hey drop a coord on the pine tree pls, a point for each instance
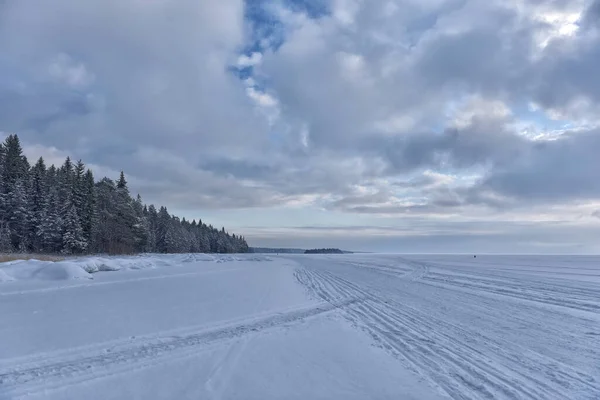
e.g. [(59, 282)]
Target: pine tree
[(204, 245), (122, 183), (126, 217), (88, 215), (164, 234), (2, 152), (5, 239), (51, 224), (65, 210), (18, 216), (65, 177), (78, 188), (141, 228), (38, 191), (51, 177), (14, 167), (105, 236), (73, 240), (3, 205), (152, 218), (14, 164)]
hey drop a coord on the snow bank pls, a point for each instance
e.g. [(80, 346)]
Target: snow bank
[(4, 277), (83, 267), (42, 270), (100, 264)]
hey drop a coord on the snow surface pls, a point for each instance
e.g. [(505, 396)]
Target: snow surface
[(301, 327)]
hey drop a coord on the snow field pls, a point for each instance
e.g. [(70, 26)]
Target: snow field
[(301, 326)]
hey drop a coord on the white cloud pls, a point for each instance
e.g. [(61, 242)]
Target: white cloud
[(261, 98), (249, 61), (344, 11), (66, 70), (477, 106)]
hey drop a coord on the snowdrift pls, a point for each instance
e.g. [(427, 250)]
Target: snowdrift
[(84, 267), (42, 270)]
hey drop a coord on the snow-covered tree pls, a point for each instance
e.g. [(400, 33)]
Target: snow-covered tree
[(50, 228), (14, 164), (18, 216), (73, 240), (88, 214), (38, 191), (5, 239), (64, 210)]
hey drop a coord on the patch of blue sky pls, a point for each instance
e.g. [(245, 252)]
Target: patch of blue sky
[(267, 30), (268, 33)]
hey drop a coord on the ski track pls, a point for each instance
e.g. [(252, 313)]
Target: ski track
[(570, 296), (573, 297), (51, 371), (463, 362)]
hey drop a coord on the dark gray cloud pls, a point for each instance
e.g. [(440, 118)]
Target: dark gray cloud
[(591, 17), (482, 142), (553, 171)]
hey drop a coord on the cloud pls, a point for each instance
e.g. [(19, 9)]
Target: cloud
[(559, 170), (64, 69), (456, 110), (245, 61), (421, 236), (140, 73)]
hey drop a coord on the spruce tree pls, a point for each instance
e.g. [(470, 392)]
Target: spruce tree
[(105, 236), (152, 218), (18, 216), (64, 210), (65, 178), (163, 231), (14, 168), (50, 229), (14, 164), (88, 216), (78, 188), (141, 228), (126, 218), (73, 240), (38, 191), (5, 238)]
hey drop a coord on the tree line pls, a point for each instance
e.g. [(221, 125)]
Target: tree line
[(323, 251), (64, 210)]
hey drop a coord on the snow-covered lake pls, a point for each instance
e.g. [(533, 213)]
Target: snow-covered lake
[(301, 327)]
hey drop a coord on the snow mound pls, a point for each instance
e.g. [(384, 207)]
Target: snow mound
[(83, 267), (102, 264), (4, 277), (42, 271)]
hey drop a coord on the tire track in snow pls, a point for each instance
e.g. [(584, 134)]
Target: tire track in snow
[(536, 293), (56, 371), (465, 364), (577, 298), (218, 379)]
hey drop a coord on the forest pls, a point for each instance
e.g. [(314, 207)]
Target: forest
[(65, 210), (323, 251)]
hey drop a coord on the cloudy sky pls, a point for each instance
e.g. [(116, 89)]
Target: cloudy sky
[(376, 125)]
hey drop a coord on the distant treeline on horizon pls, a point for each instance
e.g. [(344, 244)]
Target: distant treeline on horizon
[(323, 251), (269, 250)]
